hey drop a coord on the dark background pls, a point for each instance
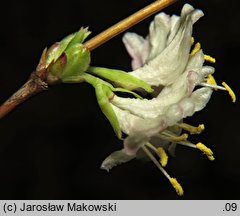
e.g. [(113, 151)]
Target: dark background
[(52, 146)]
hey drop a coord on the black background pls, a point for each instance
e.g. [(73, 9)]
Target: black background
[(52, 146)]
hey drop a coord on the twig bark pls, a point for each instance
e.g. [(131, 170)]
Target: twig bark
[(33, 86), (128, 22), (37, 81)]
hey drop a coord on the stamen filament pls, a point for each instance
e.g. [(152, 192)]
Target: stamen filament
[(213, 86), (152, 147), (173, 181), (188, 144), (175, 138), (154, 160)]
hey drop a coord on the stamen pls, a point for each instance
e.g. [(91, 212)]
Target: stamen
[(210, 59), (212, 86), (196, 48), (207, 151), (211, 80), (192, 129), (160, 152), (192, 40), (173, 181), (177, 186), (173, 138), (225, 87), (163, 156), (187, 143), (230, 91), (154, 160), (180, 138)]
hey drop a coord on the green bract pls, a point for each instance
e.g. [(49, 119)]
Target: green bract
[(105, 93), (120, 78)]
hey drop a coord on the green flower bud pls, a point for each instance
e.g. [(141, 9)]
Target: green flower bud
[(73, 62), (67, 58)]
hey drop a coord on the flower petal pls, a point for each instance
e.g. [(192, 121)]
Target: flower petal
[(157, 106), (134, 142), (114, 159), (158, 34), (125, 119), (171, 62), (188, 106), (146, 128), (206, 70), (201, 97), (174, 23), (137, 48), (196, 61)]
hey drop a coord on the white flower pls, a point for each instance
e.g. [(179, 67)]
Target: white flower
[(164, 60)]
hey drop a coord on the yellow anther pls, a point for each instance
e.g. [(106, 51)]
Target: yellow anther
[(176, 186), (192, 129), (163, 156), (192, 40), (201, 127), (207, 151), (209, 59), (211, 80), (196, 48), (180, 138), (230, 91), (211, 158)]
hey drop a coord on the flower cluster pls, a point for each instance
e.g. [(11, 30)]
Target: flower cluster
[(168, 61)]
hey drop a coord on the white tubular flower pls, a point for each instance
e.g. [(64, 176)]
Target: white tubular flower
[(164, 59)]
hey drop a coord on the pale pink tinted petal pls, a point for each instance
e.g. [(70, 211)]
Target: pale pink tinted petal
[(114, 159), (136, 48), (134, 142)]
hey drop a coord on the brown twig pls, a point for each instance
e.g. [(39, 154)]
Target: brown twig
[(37, 81), (33, 86)]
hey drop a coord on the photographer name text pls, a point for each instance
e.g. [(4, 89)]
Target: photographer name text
[(70, 207)]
